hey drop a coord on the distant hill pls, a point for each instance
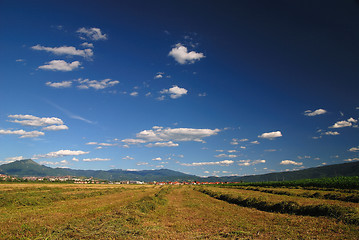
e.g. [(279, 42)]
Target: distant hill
[(343, 169), (28, 167)]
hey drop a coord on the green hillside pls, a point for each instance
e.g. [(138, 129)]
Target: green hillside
[(28, 167)]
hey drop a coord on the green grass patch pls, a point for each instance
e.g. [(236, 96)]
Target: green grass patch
[(346, 214)]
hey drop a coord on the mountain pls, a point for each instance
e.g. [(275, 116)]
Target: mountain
[(343, 169), (28, 167)]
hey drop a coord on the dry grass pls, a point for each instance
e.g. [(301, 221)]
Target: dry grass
[(135, 212)]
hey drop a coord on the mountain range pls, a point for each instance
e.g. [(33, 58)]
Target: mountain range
[(28, 167)]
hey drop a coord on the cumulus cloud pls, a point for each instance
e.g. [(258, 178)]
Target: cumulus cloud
[(354, 149), (94, 34), (157, 159), (344, 123), (255, 142), (175, 91), (160, 134), (48, 123), (64, 50), (60, 153), (60, 65), (22, 133), (182, 56), (163, 144), (86, 83), (63, 84), (55, 128), (96, 159), (128, 158), (224, 162), (30, 120), (290, 162), (270, 135), (314, 113)]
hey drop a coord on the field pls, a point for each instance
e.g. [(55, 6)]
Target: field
[(70, 211)]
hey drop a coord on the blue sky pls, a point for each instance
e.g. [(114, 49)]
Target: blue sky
[(207, 88)]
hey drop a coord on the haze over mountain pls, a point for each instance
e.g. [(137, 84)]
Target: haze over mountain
[(29, 167)]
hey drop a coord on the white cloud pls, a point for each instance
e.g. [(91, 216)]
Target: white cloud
[(270, 135), (22, 133), (344, 123), (224, 162), (48, 123), (157, 159), (226, 155), (60, 65), (182, 56), (134, 94), (141, 163), (92, 33), (159, 75), (250, 162), (330, 133), (160, 134), (163, 144), (255, 142), (61, 163), (314, 113), (96, 159), (30, 120), (202, 94), (55, 128), (287, 162), (101, 144), (60, 153), (354, 149), (11, 159), (86, 44), (64, 50), (128, 158), (175, 92), (351, 159), (86, 83), (75, 159), (63, 84)]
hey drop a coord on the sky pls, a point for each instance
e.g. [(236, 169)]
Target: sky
[(210, 88)]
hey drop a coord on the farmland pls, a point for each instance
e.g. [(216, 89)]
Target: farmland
[(69, 211)]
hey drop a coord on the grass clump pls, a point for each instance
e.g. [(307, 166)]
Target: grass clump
[(346, 214)]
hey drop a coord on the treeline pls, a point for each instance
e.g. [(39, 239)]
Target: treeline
[(334, 182)]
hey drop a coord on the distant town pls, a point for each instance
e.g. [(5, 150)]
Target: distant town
[(79, 180)]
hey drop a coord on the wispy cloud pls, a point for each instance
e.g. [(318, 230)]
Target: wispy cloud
[(60, 153), (68, 113), (224, 162), (94, 34), (65, 50)]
